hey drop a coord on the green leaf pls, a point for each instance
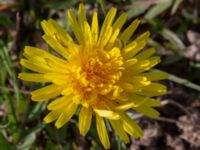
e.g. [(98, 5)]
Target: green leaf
[(28, 142), (58, 5), (4, 145), (138, 7), (5, 20), (7, 62), (175, 6), (58, 135), (29, 137), (158, 9), (173, 38), (3, 75), (135, 11), (103, 6), (5, 57), (51, 146), (196, 65), (35, 110), (171, 59)]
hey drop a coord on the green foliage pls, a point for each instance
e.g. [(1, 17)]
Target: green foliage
[(158, 9), (4, 143)]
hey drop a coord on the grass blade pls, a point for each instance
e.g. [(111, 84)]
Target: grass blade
[(184, 82)]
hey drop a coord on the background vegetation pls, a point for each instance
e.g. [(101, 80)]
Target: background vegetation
[(175, 28)]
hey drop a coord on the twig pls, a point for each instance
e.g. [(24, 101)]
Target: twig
[(168, 120), (12, 90), (165, 102), (188, 113)]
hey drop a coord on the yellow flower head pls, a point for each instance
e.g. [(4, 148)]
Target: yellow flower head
[(102, 74)]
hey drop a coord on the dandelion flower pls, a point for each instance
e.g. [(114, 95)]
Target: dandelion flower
[(102, 74)]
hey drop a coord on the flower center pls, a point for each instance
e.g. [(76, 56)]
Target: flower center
[(97, 74)]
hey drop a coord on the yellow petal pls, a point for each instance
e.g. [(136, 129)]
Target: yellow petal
[(52, 116), (116, 91), (56, 46), (77, 99), (107, 114), (155, 75), (140, 81), (130, 126), (130, 62), (153, 61), (51, 28), (102, 132), (148, 111), (129, 87), (64, 36), (35, 66), (125, 106), (145, 54), (58, 68), (57, 78), (141, 100), (75, 26), (67, 91), (154, 89), (68, 112), (46, 93), (128, 32), (72, 18), (131, 50), (34, 77), (130, 47), (115, 52), (87, 35), (48, 29), (107, 22), (59, 103), (117, 126), (85, 118), (144, 65), (95, 27), (103, 40), (119, 22), (118, 44), (112, 39), (143, 37), (137, 100), (33, 51), (81, 15), (116, 30), (152, 102), (38, 60)]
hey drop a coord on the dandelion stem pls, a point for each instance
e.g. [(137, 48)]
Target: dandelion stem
[(184, 82)]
